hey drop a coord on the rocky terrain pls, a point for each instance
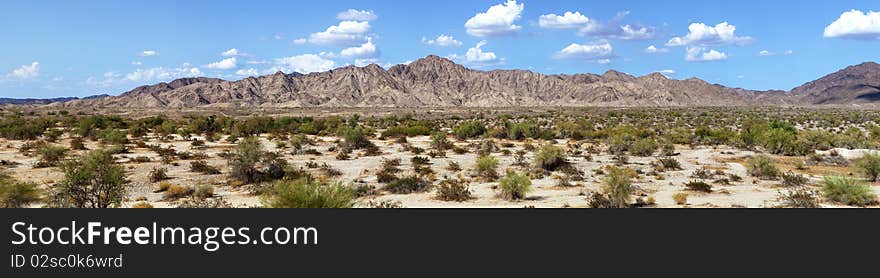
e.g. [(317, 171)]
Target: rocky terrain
[(438, 82)]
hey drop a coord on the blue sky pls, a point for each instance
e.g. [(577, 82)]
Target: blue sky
[(80, 48)]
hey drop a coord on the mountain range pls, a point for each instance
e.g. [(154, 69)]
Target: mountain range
[(434, 81)]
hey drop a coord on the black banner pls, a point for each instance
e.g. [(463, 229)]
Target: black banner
[(419, 242)]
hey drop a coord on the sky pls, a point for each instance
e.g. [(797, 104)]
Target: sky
[(89, 47)]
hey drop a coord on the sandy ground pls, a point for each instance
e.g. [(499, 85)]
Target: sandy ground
[(360, 169)]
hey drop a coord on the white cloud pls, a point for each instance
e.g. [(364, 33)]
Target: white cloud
[(476, 55), (163, 74), (700, 54), (110, 78), (365, 62), (700, 34), (666, 72), (136, 63), (600, 52), (300, 41), (147, 53), (229, 53), (788, 52), (346, 33), (224, 64), (27, 71), (278, 36), (765, 53), (568, 20), (247, 72), (442, 40), (654, 49), (614, 29), (366, 50), (855, 24), (305, 63), (498, 20), (359, 15)]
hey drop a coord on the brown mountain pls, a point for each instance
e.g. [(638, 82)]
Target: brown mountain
[(438, 82)]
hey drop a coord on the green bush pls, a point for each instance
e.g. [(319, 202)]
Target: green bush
[(158, 174), (92, 181), (15, 194), (792, 179), (549, 158), (616, 185), (848, 191), (869, 164), (50, 155), (439, 141), (515, 185), (762, 166), (305, 193), (354, 138), (487, 167), (471, 129), (643, 147)]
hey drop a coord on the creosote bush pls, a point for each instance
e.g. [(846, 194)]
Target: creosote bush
[(869, 164), (616, 185), (487, 167), (92, 181), (698, 186), (680, 198), (406, 185), (848, 191), (514, 185), (762, 166), (158, 174), (305, 193), (549, 158), (453, 190), (799, 198), (15, 194)]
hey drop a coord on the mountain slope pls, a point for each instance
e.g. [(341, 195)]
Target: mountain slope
[(438, 82)]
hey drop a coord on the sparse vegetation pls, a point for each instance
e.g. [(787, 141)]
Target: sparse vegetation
[(304, 193), (514, 185), (848, 191)]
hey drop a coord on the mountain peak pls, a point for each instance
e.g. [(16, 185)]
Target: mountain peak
[(616, 75)]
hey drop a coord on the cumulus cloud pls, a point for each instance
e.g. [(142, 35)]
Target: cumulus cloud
[(147, 53), (600, 52), (365, 62), (366, 50), (27, 71), (855, 24), (305, 63), (765, 53), (109, 79), (247, 72), (442, 40), (300, 41), (163, 74), (568, 20), (498, 20), (654, 49), (700, 54), (700, 34), (229, 53), (359, 15), (224, 64), (475, 55), (346, 33)]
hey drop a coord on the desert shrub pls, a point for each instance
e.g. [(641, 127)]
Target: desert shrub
[(195, 202), (175, 192), (204, 191), (680, 198), (453, 190), (549, 158), (514, 185), (799, 198), (698, 186), (304, 193), (92, 181), (383, 204), (140, 205), (158, 174), (405, 131), (76, 143), (245, 159), (419, 161), (439, 141), (616, 185), (201, 166), (453, 166), (703, 173), (354, 138), (869, 164), (407, 185), (643, 147), (599, 200), (471, 129), (487, 167), (762, 166), (848, 191), (342, 155), (793, 179), (15, 194), (667, 164), (50, 155)]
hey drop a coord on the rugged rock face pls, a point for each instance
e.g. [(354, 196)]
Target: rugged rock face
[(852, 85), (438, 82)]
